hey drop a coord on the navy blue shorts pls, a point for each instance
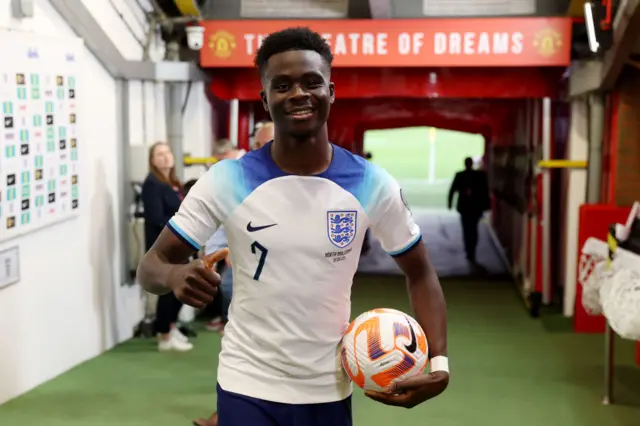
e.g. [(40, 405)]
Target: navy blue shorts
[(240, 410)]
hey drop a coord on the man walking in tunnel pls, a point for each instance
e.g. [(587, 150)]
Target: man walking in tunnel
[(473, 200)]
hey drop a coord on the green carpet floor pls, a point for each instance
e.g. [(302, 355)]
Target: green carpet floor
[(507, 370)]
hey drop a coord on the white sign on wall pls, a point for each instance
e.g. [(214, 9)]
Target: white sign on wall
[(39, 137), (478, 7), (9, 267), (308, 9)]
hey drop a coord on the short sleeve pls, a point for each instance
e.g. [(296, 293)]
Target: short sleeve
[(391, 219), (209, 202)]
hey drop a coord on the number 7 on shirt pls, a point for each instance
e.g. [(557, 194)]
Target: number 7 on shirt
[(257, 247)]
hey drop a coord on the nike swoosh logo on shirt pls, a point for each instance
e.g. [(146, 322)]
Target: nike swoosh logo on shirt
[(411, 347), (258, 228)]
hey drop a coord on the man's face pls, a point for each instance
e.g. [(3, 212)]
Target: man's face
[(297, 92)]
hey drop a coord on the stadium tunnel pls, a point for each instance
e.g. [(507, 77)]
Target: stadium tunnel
[(529, 85), (478, 88)]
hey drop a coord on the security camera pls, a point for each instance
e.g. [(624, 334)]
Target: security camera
[(195, 37)]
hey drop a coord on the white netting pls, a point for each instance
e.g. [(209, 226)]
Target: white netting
[(613, 290), (591, 274), (620, 296)]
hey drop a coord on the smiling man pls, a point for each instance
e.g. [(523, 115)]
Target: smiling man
[(293, 267)]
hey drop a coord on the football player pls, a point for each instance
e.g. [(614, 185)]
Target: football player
[(295, 212)]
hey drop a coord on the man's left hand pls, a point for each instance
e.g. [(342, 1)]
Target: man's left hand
[(413, 391)]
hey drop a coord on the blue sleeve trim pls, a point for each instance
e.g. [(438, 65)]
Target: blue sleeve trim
[(182, 235), (408, 247)]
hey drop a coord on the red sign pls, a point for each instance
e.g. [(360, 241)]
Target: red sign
[(475, 42)]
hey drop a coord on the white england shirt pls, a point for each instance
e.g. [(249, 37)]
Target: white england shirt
[(295, 243)]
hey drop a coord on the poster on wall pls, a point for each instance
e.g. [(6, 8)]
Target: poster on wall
[(39, 139)]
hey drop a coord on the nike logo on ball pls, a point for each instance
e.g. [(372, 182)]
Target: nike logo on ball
[(411, 347)]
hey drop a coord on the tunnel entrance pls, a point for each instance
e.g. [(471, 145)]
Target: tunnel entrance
[(495, 94), (423, 160)]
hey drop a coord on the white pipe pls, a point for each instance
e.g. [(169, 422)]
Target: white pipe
[(145, 135), (577, 149), (432, 155), (591, 27), (234, 115), (175, 128)]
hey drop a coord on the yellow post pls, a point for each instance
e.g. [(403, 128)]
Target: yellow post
[(190, 161), (562, 164), (612, 242)]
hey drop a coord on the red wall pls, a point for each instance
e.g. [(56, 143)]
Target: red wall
[(367, 83), (594, 221)]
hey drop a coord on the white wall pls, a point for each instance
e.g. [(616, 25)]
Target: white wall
[(124, 22), (147, 115), (198, 130), (147, 123), (197, 142), (146, 112), (576, 196), (69, 306)]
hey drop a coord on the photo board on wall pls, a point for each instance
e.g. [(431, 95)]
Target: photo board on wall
[(40, 141)]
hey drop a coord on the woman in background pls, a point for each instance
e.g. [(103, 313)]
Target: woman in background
[(162, 194)]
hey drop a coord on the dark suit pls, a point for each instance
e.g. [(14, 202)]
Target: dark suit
[(161, 202), (473, 199)]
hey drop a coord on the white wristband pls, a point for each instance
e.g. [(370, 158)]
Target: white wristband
[(439, 363)]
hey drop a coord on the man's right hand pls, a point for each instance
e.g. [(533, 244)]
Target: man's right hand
[(195, 284)]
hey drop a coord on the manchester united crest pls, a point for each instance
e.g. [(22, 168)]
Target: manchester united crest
[(222, 43), (547, 42)]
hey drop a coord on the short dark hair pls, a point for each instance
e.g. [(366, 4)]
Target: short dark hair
[(296, 38)]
